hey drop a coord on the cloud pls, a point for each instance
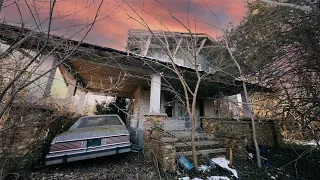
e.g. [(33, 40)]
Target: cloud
[(117, 17)]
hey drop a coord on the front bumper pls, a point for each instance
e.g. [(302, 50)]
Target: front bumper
[(86, 153)]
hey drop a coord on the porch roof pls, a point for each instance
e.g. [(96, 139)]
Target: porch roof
[(109, 71)]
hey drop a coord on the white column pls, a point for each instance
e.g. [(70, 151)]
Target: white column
[(155, 93), (245, 105)]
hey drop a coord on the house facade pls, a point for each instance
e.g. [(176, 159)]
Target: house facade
[(144, 73), (190, 51)]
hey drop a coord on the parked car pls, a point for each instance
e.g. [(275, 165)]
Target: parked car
[(90, 137)]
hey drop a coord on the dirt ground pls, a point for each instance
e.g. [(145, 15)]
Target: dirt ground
[(133, 166), (123, 166)]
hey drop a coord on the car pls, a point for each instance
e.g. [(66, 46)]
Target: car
[(90, 137)]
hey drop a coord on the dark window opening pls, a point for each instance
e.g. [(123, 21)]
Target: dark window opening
[(168, 110)]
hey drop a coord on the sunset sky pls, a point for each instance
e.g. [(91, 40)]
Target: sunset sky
[(116, 17)]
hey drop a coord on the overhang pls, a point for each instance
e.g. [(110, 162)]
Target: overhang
[(109, 71)]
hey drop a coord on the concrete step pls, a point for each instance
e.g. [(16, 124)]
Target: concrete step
[(202, 152), (183, 134), (169, 139), (197, 143)]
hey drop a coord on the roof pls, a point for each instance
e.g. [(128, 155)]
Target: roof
[(109, 71)]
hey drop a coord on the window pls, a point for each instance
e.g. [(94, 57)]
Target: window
[(168, 110), (94, 121)]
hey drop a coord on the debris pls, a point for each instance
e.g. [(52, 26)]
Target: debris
[(185, 163), (272, 177), (266, 162), (224, 163), (204, 168), (212, 165), (218, 178), (185, 178)]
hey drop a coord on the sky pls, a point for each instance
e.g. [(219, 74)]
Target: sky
[(71, 18)]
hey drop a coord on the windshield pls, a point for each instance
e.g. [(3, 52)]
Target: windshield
[(93, 121)]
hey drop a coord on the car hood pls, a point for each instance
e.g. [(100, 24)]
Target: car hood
[(92, 132)]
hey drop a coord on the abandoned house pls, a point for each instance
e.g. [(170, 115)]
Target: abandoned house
[(144, 74)]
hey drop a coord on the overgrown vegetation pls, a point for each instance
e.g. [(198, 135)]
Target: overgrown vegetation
[(25, 143), (278, 46)]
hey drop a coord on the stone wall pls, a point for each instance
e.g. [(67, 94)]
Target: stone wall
[(161, 153), (238, 134)]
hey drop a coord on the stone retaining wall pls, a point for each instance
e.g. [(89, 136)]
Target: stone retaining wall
[(233, 134), (163, 154), (238, 134)]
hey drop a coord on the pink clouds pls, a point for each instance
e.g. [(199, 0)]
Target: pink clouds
[(116, 17)]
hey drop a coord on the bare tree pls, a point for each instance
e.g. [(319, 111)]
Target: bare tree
[(44, 45), (222, 67)]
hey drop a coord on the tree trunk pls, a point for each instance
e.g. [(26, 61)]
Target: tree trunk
[(253, 126)]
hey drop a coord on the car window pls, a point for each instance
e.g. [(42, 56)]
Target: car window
[(85, 122)]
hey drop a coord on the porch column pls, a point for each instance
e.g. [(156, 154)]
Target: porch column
[(155, 93), (245, 105)]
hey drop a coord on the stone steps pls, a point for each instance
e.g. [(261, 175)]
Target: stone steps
[(197, 143), (180, 140), (183, 134), (169, 139), (203, 147), (203, 152)]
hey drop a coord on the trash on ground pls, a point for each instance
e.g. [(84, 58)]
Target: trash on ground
[(266, 162), (185, 163), (204, 168), (188, 178), (185, 178), (218, 178), (212, 165), (208, 178), (224, 163)]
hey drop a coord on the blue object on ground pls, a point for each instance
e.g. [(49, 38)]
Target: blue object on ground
[(185, 163), (212, 164), (267, 164)]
